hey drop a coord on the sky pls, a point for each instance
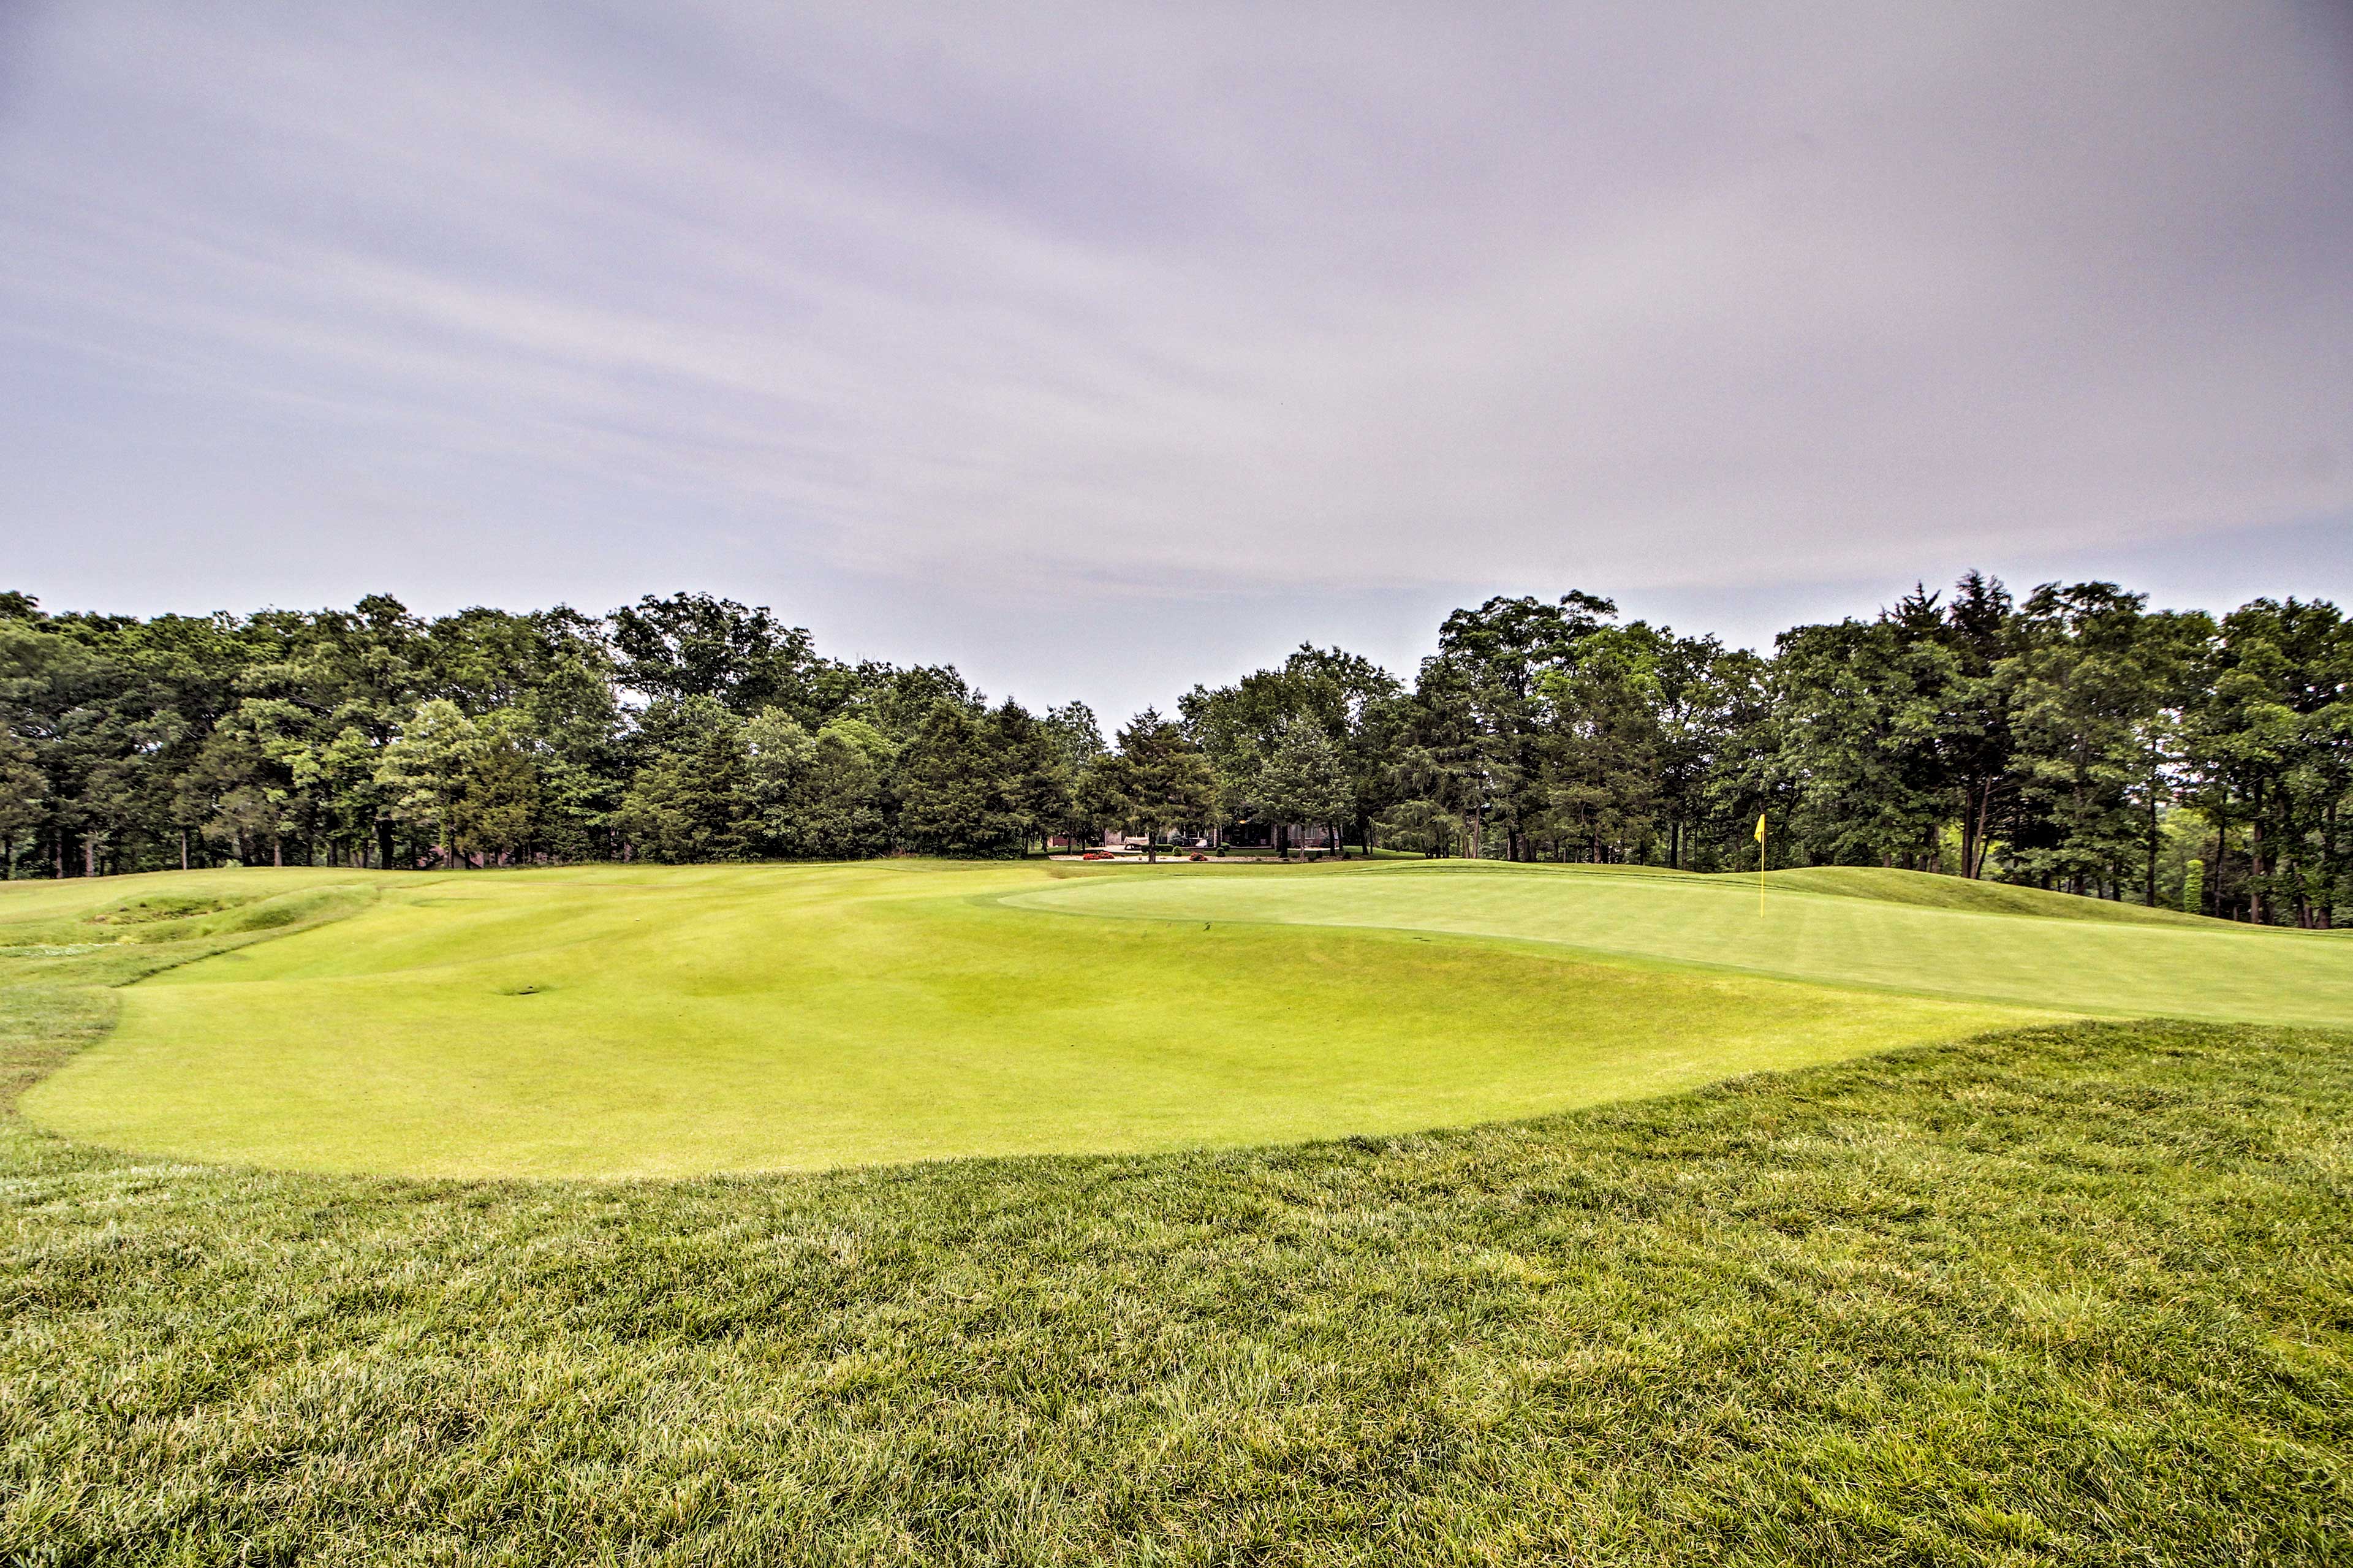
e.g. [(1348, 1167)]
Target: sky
[(1102, 349)]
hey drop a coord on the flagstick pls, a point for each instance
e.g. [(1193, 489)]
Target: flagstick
[(1760, 866)]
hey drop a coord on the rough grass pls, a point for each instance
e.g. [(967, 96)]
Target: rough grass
[(612, 1022)]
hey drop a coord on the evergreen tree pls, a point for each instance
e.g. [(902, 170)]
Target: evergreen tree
[(425, 769), (1306, 780), (1037, 777), (844, 806), (1164, 779), (956, 788), (499, 808), (2083, 690), (689, 800), (1102, 796), (819, 796), (21, 802)]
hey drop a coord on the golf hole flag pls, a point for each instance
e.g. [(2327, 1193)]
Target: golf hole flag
[(1760, 862)]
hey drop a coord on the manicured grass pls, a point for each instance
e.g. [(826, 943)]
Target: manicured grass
[(1840, 927), (1933, 891), (617, 1021), (2074, 1295)]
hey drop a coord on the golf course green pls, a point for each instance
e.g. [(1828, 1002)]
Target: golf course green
[(616, 1021), (1841, 927)]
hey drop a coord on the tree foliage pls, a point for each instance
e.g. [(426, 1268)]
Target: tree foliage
[(2072, 738)]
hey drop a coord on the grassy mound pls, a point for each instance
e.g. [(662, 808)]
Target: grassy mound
[(613, 1022), (1826, 935), (50, 927), (1929, 891)]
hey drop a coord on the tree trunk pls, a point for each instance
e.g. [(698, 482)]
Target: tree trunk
[(2256, 863), (184, 849), (2329, 869), (277, 850), (1977, 825), (89, 856), (2221, 842)]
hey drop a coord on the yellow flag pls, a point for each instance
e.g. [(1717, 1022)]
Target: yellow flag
[(1760, 863)]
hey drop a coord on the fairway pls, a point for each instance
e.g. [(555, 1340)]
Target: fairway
[(618, 1021)]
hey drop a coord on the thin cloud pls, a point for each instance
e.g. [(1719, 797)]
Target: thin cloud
[(1164, 303)]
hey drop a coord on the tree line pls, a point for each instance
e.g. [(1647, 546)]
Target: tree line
[(2074, 739)]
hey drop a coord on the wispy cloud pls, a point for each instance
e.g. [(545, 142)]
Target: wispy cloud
[(1164, 300)]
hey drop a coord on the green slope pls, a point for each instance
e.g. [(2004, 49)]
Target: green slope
[(614, 1021), (1930, 892), (1811, 927)]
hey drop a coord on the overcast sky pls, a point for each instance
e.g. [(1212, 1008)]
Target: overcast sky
[(1102, 349)]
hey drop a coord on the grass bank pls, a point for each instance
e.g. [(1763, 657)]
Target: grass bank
[(1896, 933)]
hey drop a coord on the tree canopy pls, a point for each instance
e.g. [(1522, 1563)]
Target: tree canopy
[(2072, 738)]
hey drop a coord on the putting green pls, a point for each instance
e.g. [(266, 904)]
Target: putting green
[(619, 1021), (1848, 928)]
